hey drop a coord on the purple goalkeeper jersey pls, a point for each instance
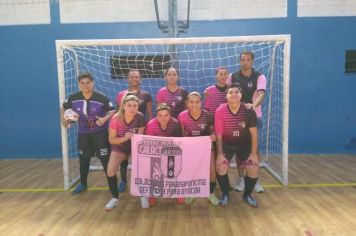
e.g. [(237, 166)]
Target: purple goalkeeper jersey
[(172, 130), (196, 127), (96, 106), (234, 128), (176, 99)]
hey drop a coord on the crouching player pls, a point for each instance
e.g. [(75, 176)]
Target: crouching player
[(198, 122), (236, 133), (163, 125)]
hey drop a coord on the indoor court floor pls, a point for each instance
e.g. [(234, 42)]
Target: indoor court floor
[(320, 200)]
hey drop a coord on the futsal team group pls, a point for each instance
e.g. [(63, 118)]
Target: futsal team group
[(229, 112)]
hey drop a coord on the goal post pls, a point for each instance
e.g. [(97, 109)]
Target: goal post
[(196, 59)]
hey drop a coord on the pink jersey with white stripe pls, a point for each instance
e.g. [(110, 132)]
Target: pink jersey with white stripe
[(172, 130), (196, 127), (122, 127), (176, 99), (214, 96), (234, 128)]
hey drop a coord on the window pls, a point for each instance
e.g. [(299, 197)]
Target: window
[(150, 66), (350, 61)]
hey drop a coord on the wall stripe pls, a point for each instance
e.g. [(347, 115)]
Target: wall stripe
[(24, 12), (321, 8)]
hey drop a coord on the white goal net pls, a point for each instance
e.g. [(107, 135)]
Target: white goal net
[(196, 60)]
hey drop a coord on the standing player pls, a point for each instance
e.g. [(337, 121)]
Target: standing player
[(215, 95), (236, 134), (145, 107), (198, 122), (134, 81), (253, 85), (126, 122), (164, 125), (173, 95), (94, 110)]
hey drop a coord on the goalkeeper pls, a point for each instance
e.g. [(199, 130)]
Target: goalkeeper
[(94, 110)]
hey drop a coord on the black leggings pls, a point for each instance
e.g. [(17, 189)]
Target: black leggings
[(92, 144)]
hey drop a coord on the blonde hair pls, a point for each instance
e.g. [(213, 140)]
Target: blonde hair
[(129, 96), (194, 93), (163, 106)]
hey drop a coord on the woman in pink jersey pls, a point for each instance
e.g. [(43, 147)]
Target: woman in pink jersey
[(236, 134), (134, 82), (215, 95), (198, 122), (173, 95), (163, 125), (145, 107), (126, 122)]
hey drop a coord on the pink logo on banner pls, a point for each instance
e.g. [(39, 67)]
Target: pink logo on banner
[(170, 167)]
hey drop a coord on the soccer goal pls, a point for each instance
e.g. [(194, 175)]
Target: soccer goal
[(196, 60)]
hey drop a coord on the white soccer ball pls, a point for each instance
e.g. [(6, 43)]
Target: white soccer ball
[(71, 115)]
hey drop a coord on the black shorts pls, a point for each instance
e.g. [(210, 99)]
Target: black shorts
[(242, 154), (94, 144)]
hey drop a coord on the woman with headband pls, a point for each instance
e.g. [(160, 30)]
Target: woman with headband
[(126, 122)]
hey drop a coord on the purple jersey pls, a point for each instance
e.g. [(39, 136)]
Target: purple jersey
[(176, 99), (172, 130), (143, 96), (122, 128), (214, 97), (196, 127), (96, 106), (234, 128)]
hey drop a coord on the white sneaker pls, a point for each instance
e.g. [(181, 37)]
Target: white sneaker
[(240, 186), (258, 188), (144, 203), (111, 204)]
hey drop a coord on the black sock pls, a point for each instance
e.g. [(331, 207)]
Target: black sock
[(123, 170), (224, 184), (84, 163), (113, 186), (249, 185), (212, 186), (228, 180)]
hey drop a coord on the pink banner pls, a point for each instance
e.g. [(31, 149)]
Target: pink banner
[(170, 167)]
